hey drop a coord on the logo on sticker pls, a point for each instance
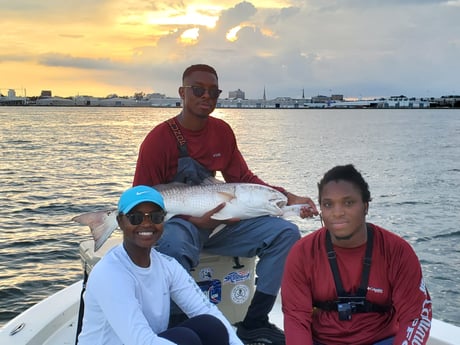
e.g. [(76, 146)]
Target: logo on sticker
[(212, 289), (239, 294), (236, 277), (206, 273)]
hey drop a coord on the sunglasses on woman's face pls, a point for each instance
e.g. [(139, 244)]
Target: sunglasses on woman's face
[(136, 218), (199, 91)]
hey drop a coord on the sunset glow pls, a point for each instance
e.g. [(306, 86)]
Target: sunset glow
[(231, 35), (127, 46)]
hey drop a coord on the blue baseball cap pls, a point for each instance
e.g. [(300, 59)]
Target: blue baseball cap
[(139, 194)]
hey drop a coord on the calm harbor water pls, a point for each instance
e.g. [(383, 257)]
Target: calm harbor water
[(59, 162)]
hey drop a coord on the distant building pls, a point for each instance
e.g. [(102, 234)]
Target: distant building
[(12, 98), (238, 94), (320, 99), (46, 93), (54, 101), (155, 95)]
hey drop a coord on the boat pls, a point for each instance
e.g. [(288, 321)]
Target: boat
[(54, 320)]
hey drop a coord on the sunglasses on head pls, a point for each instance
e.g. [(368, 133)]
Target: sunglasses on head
[(136, 218), (199, 91)]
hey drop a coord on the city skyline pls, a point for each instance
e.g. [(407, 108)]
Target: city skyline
[(13, 93), (357, 48)]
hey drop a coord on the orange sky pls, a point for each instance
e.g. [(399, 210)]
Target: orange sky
[(126, 46)]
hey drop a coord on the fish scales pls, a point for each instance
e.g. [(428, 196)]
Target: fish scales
[(196, 200), (243, 200)]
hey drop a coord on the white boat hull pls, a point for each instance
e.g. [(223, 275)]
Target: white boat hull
[(53, 321)]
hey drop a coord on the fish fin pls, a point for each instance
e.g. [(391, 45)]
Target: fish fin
[(101, 223), (211, 180), (220, 216), (217, 229), (166, 186), (226, 213), (226, 196)]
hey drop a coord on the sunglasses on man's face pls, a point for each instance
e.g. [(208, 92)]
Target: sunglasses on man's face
[(199, 91), (136, 218)]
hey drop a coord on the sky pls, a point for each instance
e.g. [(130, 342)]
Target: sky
[(290, 48)]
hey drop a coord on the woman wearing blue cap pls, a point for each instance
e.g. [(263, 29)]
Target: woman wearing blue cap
[(127, 298)]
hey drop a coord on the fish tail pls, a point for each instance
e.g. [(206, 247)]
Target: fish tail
[(101, 223)]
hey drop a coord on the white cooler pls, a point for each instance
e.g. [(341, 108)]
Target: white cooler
[(228, 282)]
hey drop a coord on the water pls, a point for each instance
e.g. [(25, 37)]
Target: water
[(59, 162)]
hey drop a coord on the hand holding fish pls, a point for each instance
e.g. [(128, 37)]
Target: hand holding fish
[(308, 209)]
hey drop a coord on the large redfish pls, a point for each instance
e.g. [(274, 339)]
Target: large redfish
[(242, 201)]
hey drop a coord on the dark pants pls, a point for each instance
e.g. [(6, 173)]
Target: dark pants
[(199, 330)]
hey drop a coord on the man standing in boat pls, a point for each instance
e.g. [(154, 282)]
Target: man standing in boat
[(191, 147)]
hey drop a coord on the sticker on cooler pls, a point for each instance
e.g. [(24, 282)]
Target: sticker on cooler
[(212, 289), (206, 273), (237, 277), (240, 294)]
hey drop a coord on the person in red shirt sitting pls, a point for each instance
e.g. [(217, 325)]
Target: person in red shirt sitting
[(353, 282)]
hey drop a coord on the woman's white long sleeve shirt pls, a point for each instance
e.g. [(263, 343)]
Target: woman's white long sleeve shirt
[(129, 305)]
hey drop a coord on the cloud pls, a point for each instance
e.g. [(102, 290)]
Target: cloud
[(320, 49), (354, 47), (236, 15), (61, 60), (13, 58)]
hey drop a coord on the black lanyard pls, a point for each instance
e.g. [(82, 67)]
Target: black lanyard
[(362, 291)]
